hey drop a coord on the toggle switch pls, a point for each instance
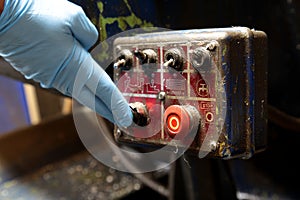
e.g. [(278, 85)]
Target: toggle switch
[(174, 58), (146, 56), (125, 60)]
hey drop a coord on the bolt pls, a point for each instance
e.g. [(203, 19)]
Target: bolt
[(211, 46), (161, 96), (213, 146), (119, 133)]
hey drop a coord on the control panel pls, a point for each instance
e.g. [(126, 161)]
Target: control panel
[(201, 90)]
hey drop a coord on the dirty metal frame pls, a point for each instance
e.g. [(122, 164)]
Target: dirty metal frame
[(245, 72)]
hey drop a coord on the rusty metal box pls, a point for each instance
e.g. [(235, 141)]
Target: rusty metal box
[(205, 90)]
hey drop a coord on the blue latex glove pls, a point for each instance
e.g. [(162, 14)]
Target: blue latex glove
[(47, 41)]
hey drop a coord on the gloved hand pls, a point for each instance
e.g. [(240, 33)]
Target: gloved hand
[(48, 41)]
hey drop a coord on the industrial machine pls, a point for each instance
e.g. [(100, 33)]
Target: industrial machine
[(203, 90), (199, 91)]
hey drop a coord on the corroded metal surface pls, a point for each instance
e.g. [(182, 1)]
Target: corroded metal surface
[(29, 148), (236, 81), (79, 177)]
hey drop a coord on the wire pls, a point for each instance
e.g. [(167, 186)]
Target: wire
[(187, 178), (171, 181), (283, 119), (154, 185)]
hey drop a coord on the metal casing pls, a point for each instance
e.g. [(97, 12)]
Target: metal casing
[(240, 56)]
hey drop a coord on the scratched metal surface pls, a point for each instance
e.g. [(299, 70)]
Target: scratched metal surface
[(79, 177)]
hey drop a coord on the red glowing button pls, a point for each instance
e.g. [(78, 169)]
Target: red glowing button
[(173, 122), (177, 121)]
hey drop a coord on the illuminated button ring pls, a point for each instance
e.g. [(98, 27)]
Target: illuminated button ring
[(179, 121)]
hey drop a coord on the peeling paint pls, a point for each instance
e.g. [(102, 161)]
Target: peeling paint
[(123, 22)]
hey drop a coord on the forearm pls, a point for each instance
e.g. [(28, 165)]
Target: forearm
[(1, 5)]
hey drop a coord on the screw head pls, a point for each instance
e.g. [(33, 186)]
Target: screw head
[(213, 145), (211, 46), (119, 132), (161, 96)]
